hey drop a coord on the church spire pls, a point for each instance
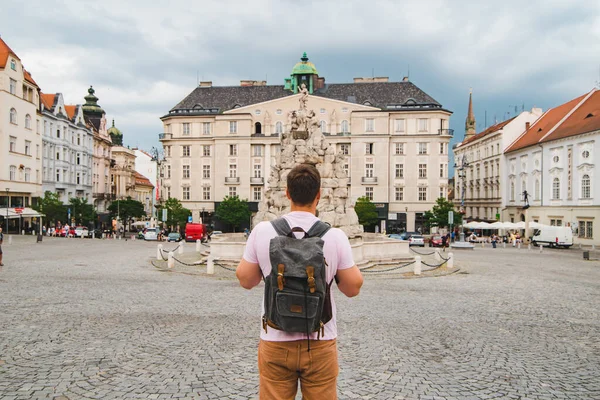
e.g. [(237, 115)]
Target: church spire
[(470, 129)]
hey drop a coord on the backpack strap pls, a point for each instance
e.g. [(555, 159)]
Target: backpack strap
[(319, 229), (281, 226)]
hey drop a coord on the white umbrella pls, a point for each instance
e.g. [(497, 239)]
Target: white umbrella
[(509, 225), (497, 225), (484, 225), (471, 225), (520, 225)]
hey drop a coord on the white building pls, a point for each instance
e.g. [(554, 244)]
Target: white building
[(146, 165), (554, 162), (67, 149), (481, 188), (222, 141)]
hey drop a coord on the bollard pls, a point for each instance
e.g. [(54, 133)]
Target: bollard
[(119, 237), (93, 234), (541, 247), (23, 232), (529, 246), (210, 266), (198, 245), (503, 245), (418, 265), (450, 260), (438, 256), (159, 252), (180, 249), (482, 245), (519, 245), (170, 260), (9, 239)]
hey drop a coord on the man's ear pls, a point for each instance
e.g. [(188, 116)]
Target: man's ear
[(287, 194)]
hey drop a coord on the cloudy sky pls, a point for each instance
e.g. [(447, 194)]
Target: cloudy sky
[(143, 58)]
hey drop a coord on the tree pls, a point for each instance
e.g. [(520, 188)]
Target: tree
[(366, 211), (233, 211), (127, 209), (53, 209), (177, 215), (81, 211), (438, 215)]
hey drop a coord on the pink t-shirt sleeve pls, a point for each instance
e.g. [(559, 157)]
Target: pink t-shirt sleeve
[(250, 250), (344, 251)]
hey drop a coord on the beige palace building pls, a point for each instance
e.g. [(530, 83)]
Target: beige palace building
[(223, 140)]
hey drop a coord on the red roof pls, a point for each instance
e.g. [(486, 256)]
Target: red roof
[(586, 118), (491, 129), (5, 51), (142, 180), (70, 111), (28, 78), (544, 125), (47, 100)]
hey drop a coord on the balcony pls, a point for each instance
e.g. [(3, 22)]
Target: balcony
[(369, 180), (162, 136), (446, 132), (232, 181), (257, 181)]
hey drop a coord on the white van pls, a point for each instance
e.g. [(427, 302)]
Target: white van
[(553, 236)]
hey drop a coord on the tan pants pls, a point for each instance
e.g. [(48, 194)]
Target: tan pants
[(281, 364)]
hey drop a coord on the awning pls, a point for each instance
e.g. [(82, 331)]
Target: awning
[(24, 212)]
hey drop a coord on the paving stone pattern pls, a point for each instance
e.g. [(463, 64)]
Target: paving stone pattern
[(92, 319)]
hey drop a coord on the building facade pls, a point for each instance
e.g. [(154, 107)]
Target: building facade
[(123, 173), (554, 162), (143, 192), (223, 141), (146, 165), (20, 138), (480, 190), (67, 149)]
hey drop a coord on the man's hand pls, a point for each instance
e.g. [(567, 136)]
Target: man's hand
[(248, 274), (349, 281)]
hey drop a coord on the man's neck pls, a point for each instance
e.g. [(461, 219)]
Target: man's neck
[(309, 209)]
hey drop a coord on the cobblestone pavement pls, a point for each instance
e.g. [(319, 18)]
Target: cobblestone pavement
[(93, 319)]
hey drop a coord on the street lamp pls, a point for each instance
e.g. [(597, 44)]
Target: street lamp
[(462, 175), (7, 204)]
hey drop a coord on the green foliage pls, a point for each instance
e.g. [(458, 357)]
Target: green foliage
[(126, 209), (233, 211), (176, 213), (53, 209), (366, 211), (81, 211), (438, 215)]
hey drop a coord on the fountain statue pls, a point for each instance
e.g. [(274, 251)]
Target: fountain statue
[(305, 144)]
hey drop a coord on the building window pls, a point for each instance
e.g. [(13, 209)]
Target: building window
[(37, 151), (369, 193), (345, 127), (422, 124), (232, 170), (28, 121), (512, 191), (399, 148), (442, 148), (585, 187), (257, 150), (232, 191), (257, 170), (555, 189), (345, 149), (368, 148), (168, 172), (346, 169), (232, 126), (206, 171), (323, 126), (369, 125), (586, 229), (399, 171), (12, 144), (422, 148), (13, 173), (556, 222), (257, 193), (422, 171), (233, 149), (369, 170), (13, 86), (523, 186), (206, 128), (399, 194), (28, 147), (399, 125), (206, 193), (422, 194), (186, 172), (186, 128), (58, 133), (537, 189), (443, 192), (206, 150), (78, 178), (186, 193), (13, 64), (185, 151), (278, 127), (13, 116)]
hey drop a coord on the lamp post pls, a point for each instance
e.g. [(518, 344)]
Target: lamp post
[(7, 205), (156, 157), (462, 175)]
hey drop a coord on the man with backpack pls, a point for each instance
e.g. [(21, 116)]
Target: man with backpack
[(299, 257)]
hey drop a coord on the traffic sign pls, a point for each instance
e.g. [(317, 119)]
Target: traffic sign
[(190, 219), (450, 217)]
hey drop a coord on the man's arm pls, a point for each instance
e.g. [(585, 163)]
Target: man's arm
[(349, 281), (248, 274)]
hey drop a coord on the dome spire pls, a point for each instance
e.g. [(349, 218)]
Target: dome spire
[(470, 129)]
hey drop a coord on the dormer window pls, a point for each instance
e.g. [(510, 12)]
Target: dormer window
[(13, 64)]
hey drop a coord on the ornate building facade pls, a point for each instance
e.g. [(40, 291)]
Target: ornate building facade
[(222, 141)]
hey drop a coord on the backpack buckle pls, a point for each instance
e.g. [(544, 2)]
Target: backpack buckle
[(280, 279), (310, 272)]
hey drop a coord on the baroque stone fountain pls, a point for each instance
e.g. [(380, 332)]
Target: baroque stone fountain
[(305, 144)]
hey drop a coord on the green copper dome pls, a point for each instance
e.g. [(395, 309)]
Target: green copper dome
[(91, 103), (115, 134), (304, 67)]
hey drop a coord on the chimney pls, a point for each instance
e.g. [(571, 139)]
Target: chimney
[(405, 79), (248, 82), (527, 125), (206, 84), (372, 79)]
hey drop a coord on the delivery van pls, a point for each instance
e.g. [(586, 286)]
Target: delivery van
[(553, 236), (194, 232)]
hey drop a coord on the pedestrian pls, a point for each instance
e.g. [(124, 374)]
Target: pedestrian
[(1, 240), (444, 239), (494, 240), (286, 355), (452, 236)]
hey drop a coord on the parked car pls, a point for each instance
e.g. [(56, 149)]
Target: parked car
[(81, 231), (416, 240), (174, 237), (435, 241), (97, 233), (407, 235), (151, 234), (194, 232), (396, 236)]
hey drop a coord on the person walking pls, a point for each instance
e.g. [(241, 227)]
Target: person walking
[(1, 240), (444, 240), (285, 356)]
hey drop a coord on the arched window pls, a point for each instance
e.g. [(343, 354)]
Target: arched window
[(585, 187), (28, 121), (323, 126), (258, 127), (13, 116), (537, 189), (556, 189), (278, 127), (512, 191), (345, 127)]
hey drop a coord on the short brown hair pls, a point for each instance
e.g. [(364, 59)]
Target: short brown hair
[(303, 184)]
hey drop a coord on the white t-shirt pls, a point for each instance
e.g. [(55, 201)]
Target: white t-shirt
[(337, 252)]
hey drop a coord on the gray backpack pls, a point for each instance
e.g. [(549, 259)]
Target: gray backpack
[(296, 291)]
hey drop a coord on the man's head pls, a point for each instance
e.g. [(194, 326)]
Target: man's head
[(304, 185)]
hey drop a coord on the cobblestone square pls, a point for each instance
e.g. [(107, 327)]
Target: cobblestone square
[(93, 319)]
